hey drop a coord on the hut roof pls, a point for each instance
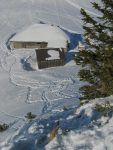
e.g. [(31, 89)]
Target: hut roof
[(53, 35)]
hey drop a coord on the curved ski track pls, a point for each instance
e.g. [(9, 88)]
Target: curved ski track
[(60, 86)]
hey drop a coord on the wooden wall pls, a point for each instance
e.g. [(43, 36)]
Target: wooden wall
[(19, 45), (50, 63), (42, 54)]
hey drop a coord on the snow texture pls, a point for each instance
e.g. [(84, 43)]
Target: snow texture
[(24, 88), (53, 35)]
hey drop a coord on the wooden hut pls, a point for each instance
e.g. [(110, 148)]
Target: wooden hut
[(42, 38)]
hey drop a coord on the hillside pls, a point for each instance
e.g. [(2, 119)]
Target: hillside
[(23, 87)]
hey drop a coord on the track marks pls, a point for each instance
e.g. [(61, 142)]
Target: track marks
[(79, 7)]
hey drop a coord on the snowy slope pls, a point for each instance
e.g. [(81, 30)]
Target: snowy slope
[(22, 88), (82, 128)]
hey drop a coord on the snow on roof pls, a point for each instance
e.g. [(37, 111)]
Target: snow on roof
[(53, 55), (53, 35)]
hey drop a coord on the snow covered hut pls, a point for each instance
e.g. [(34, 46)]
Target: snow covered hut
[(40, 36), (46, 40)]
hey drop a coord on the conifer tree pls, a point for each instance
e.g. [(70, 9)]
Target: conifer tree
[(97, 58)]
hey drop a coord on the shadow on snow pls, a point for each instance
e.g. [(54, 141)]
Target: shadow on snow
[(66, 121), (74, 40)]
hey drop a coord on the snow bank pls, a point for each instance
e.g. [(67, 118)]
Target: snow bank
[(82, 128), (22, 88), (53, 35)]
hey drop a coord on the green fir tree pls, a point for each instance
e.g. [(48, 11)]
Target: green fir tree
[(97, 58)]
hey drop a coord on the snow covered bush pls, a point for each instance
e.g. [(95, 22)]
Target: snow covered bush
[(105, 109), (3, 127), (30, 115)]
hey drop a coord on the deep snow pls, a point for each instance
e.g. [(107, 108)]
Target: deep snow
[(53, 35), (24, 88)]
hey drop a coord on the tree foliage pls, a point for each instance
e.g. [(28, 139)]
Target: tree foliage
[(97, 58)]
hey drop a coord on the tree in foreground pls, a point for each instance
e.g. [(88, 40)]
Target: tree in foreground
[(97, 58)]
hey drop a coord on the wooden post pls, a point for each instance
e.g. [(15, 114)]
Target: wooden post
[(37, 59)]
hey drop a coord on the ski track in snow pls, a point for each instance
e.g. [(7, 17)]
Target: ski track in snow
[(16, 78), (7, 114), (79, 7)]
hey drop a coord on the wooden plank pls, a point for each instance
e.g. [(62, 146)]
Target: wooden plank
[(50, 63)]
